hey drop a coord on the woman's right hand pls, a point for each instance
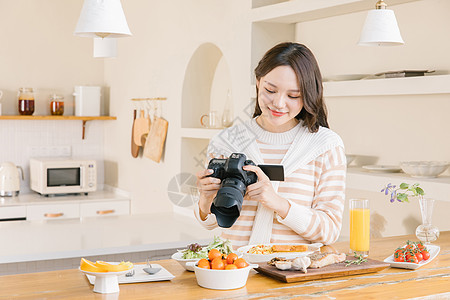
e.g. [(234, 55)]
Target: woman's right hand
[(208, 187)]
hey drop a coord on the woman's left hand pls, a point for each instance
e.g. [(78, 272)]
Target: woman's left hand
[(263, 192)]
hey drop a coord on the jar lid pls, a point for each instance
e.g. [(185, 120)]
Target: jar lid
[(55, 97)]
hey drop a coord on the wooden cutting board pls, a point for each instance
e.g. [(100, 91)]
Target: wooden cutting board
[(154, 144), (134, 147), (330, 271), (141, 127)]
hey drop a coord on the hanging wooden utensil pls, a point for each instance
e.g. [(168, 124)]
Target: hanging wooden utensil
[(134, 147), (141, 127), (156, 138)]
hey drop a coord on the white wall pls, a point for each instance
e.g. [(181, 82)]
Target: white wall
[(390, 128), (153, 63), (38, 50)]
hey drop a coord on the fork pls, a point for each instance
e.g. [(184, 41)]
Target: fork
[(130, 274)]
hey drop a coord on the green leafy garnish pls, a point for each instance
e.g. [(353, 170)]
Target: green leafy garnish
[(359, 260)]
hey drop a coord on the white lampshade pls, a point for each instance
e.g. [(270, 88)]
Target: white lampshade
[(102, 18), (105, 47), (380, 29)]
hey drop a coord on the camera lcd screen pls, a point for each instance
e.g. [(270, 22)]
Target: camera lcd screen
[(274, 172)]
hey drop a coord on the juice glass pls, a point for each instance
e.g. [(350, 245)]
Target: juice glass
[(359, 226)]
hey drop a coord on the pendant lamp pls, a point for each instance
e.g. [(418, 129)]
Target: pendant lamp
[(102, 18), (380, 28)]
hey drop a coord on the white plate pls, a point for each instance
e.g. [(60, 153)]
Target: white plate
[(382, 168), (434, 251), (260, 258), (139, 276)]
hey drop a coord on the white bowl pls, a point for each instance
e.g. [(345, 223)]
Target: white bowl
[(424, 169), (177, 256), (221, 279), (350, 158)]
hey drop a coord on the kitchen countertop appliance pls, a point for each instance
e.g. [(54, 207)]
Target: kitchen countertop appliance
[(9, 179)]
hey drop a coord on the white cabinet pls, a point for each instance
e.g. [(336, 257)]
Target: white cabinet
[(106, 208), (53, 211), (13, 213)]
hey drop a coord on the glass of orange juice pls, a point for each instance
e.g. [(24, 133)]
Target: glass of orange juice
[(359, 226)]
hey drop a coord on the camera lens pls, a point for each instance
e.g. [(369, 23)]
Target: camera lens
[(228, 202)]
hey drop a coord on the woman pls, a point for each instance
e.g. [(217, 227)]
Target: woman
[(289, 127)]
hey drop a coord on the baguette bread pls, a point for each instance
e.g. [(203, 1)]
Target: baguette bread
[(289, 248)]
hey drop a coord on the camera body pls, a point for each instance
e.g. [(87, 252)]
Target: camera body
[(234, 181)]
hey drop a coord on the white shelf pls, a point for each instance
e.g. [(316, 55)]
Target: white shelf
[(421, 85), (199, 133), (296, 11), (359, 179)]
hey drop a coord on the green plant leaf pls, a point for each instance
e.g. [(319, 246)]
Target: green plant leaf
[(402, 197), (404, 186), (420, 191)]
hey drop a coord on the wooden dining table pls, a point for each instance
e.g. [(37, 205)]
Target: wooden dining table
[(432, 279)]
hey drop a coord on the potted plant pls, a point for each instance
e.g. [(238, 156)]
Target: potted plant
[(426, 232)]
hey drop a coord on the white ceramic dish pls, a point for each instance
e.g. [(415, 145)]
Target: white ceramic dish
[(262, 258), (221, 279), (183, 262), (345, 77), (434, 251), (140, 275), (424, 169), (106, 282), (382, 168), (177, 256)]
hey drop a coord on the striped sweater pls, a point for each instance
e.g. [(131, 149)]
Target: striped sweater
[(315, 192)]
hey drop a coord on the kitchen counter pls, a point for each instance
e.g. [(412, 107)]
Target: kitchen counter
[(431, 279), (24, 241)]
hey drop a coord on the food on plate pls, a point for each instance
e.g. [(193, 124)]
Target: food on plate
[(266, 249), (319, 260), (283, 265), (289, 248), (260, 249), (274, 260), (301, 263), (412, 252), (195, 251), (101, 266), (218, 261)]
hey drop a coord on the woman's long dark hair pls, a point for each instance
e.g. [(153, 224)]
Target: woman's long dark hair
[(304, 64)]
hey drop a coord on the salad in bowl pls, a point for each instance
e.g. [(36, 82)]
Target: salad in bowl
[(195, 252)]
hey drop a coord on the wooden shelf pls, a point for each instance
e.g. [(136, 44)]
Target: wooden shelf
[(83, 119), (360, 179), (20, 117), (421, 85), (199, 133), (296, 11)]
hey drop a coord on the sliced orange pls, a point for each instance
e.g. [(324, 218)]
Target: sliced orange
[(89, 266), (106, 267)]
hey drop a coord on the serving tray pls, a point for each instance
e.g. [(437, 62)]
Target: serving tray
[(335, 270)]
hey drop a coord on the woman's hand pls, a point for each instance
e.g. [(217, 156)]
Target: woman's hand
[(263, 192), (208, 187)]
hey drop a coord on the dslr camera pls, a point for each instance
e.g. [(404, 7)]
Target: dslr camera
[(228, 202)]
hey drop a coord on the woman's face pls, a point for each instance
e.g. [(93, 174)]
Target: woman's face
[(279, 99)]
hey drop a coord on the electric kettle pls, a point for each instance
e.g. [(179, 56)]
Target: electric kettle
[(9, 179)]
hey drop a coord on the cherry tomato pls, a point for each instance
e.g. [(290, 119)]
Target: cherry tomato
[(399, 259), (425, 254), (419, 256)]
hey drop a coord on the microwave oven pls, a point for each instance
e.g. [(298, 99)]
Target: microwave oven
[(51, 176)]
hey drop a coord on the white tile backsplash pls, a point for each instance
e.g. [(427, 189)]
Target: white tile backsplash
[(22, 139)]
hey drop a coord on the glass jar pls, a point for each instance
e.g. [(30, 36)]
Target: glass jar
[(26, 101), (56, 105)]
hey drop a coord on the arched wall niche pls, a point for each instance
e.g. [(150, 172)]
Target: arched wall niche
[(206, 84)]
